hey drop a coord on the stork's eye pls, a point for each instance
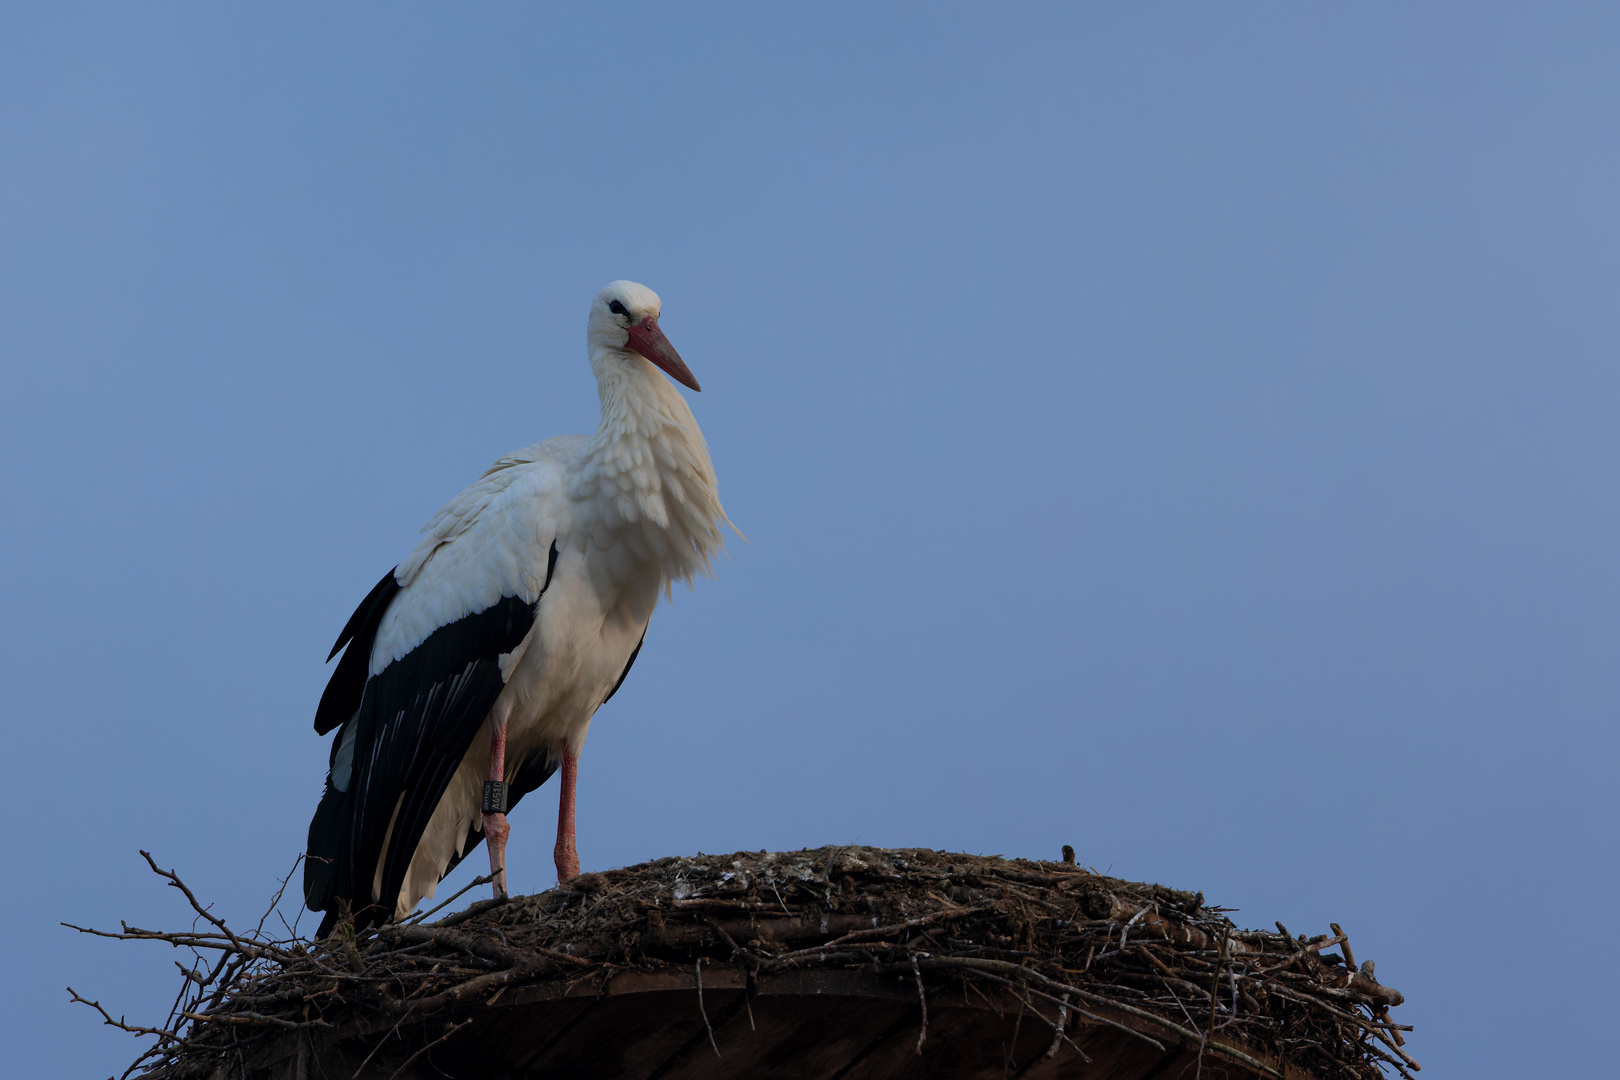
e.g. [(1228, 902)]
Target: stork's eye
[(617, 308)]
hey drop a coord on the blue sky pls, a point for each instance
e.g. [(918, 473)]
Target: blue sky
[(1183, 431)]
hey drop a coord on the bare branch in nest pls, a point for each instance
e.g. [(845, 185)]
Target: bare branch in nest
[(697, 974), (106, 1018), (412, 1059), (175, 882), (483, 879), (922, 999)]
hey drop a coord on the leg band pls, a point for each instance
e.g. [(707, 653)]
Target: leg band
[(494, 796)]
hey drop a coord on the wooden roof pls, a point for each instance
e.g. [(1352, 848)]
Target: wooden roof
[(803, 1025)]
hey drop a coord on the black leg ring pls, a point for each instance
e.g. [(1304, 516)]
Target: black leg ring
[(494, 796)]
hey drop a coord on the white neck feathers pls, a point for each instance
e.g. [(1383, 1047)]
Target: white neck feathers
[(644, 480)]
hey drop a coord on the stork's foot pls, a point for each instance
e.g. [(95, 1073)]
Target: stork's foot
[(496, 830), (567, 859)]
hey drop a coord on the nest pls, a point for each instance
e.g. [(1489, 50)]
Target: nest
[(1078, 955)]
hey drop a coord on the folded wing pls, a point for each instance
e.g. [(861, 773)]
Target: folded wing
[(421, 669)]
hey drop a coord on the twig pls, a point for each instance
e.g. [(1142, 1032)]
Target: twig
[(1169, 1025), (473, 884), (253, 1019), (1063, 1010), (411, 1060), (1124, 935), (881, 931), (1093, 1017), (191, 974), (275, 901), (922, 999), (1344, 946), (1232, 1019), (472, 911), (175, 881), (187, 939), (1350, 1017), (1382, 1017), (698, 971), (1215, 986), (476, 946), (1171, 991), (1301, 951), (736, 950), (1007, 1059), (134, 1029), (391, 1032), (1400, 1068)]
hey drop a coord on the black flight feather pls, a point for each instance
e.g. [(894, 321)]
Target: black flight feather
[(414, 721), (348, 682)]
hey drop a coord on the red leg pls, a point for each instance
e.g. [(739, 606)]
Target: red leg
[(496, 829), (566, 852)]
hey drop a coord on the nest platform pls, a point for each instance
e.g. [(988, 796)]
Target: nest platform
[(846, 963)]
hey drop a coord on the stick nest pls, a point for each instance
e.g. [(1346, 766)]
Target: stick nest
[(1067, 942)]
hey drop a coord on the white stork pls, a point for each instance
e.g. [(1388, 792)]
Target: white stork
[(473, 668)]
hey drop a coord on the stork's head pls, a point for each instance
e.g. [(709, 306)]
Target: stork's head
[(624, 317)]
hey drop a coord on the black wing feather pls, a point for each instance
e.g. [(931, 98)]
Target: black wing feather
[(348, 683), (415, 720)]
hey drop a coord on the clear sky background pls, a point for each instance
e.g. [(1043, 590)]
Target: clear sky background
[(1188, 432)]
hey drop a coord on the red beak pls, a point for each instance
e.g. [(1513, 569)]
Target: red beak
[(649, 341)]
